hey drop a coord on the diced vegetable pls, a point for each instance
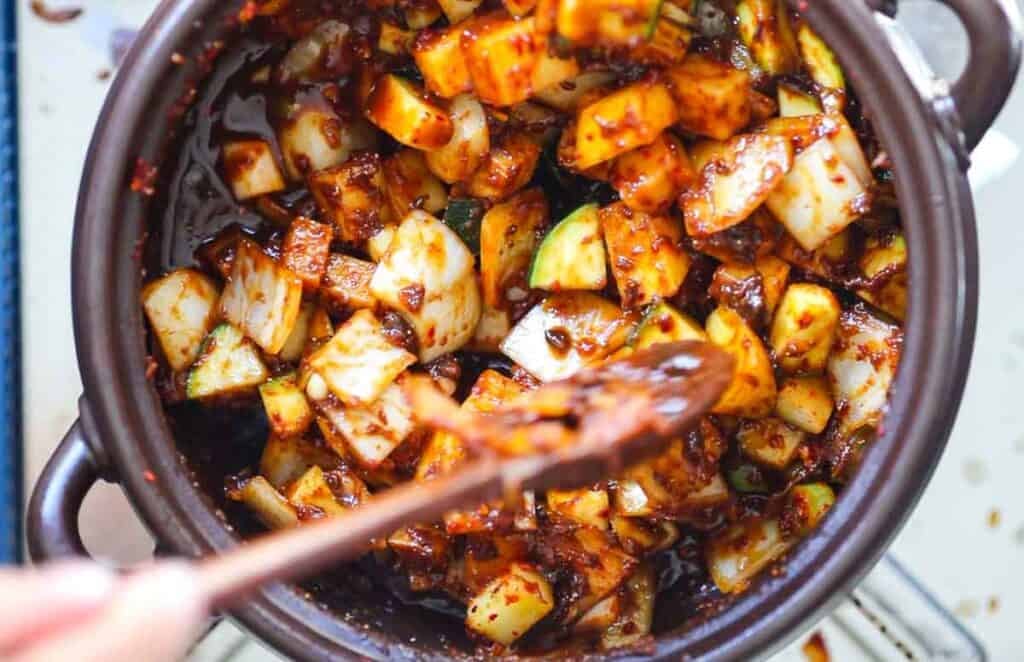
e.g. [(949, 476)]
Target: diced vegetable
[(358, 363), (261, 297), (794, 103), (502, 55), (601, 616), (297, 339), (566, 332), (428, 275), (752, 392), (774, 275), (740, 552), (650, 178), (228, 363), (438, 54), (509, 166), (508, 236), (316, 138), (713, 97), (400, 108), (286, 406), (631, 499), (668, 43), (765, 28), (862, 367), (638, 609), (566, 97), (394, 40), (465, 216), (572, 255), (769, 441), (269, 505), (819, 59), (662, 323), (806, 506), (805, 403), (586, 506), (470, 143), (511, 604), (886, 261), (715, 493), (180, 307), (346, 282), (804, 328), (284, 459), (734, 178), (410, 184), (492, 329), (639, 536), (371, 432), (305, 251), (457, 10), (309, 60), (251, 169), (351, 196), (419, 15), (553, 70), (624, 120), (598, 560), (647, 259), (819, 197), (311, 492), (606, 22)]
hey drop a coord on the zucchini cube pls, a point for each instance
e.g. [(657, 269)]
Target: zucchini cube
[(804, 328)]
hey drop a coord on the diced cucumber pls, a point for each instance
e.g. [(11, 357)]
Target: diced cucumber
[(661, 324), (572, 256), (795, 103), (287, 409), (228, 363)]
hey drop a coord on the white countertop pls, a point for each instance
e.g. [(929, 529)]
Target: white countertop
[(964, 540)]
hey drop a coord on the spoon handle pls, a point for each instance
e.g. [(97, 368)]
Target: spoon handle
[(228, 578)]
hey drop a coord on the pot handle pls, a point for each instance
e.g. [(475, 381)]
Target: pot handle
[(994, 35), (51, 527)]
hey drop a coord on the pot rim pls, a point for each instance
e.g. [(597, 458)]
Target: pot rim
[(124, 414)]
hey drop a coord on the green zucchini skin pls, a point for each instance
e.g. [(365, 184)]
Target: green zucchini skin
[(228, 363), (572, 256)]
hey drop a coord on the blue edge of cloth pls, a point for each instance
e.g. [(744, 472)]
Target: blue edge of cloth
[(10, 303)]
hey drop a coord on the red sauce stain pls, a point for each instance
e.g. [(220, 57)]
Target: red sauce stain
[(61, 15), (815, 650)]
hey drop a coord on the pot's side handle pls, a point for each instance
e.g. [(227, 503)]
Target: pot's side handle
[(51, 526), (994, 32)]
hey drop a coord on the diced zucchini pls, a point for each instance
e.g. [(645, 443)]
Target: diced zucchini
[(400, 108), (769, 441), (819, 59), (765, 28), (284, 459), (315, 138), (312, 493), (251, 169), (637, 615), (508, 236), (371, 432), (862, 367), (306, 247), (713, 97), (261, 297), (752, 391), (649, 178), (805, 403), (715, 493), (886, 259), (510, 605), (804, 328), (465, 216), (595, 557), (509, 166), (734, 178), (774, 275), (394, 40), (819, 197), (428, 275), (606, 22), (351, 196), (566, 332), (738, 553), (662, 323), (794, 103), (346, 282), (286, 406), (502, 54), (469, 145), (457, 10), (748, 478), (641, 536), (180, 307), (410, 185), (566, 97), (622, 121), (647, 258), (572, 255), (266, 503), (806, 507), (228, 363), (438, 54), (585, 506), (491, 330), (358, 363)]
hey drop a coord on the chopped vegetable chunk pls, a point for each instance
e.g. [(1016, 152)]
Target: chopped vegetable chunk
[(629, 118), (180, 307)]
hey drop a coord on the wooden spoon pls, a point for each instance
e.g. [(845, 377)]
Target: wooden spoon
[(574, 432)]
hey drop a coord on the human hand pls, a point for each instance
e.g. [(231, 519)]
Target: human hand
[(81, 611)]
